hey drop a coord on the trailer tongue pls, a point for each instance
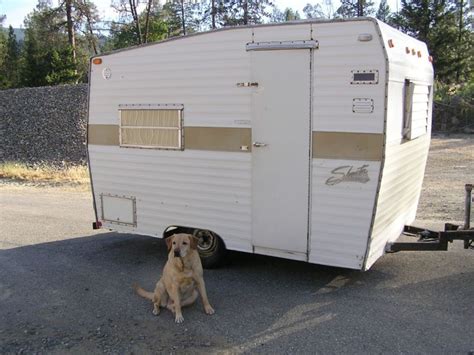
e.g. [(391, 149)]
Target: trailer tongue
[(430, 240)]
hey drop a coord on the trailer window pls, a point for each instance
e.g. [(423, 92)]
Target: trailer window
[(416, 109), (151, 128)]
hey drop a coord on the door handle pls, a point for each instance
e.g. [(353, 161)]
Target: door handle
[(259, 144)]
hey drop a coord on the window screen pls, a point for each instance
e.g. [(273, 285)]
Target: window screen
[(151, 128)]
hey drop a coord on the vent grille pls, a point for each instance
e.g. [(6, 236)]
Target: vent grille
[(362, 105)]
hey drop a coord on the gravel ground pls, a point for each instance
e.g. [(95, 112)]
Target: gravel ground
[(67, 289), (450, 166)]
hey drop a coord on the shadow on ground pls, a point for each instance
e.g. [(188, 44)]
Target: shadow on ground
[(75, 295)]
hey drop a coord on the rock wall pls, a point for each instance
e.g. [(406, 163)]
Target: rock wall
[(44, 125)]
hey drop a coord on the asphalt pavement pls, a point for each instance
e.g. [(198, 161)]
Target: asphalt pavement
[(65, 288)]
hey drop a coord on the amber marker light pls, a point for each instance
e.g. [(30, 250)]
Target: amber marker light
[(407, 50), (97, 61), (430, 58), (419, 54), (390, 43), (413, 51)]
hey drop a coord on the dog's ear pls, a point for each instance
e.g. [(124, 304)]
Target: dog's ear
[(193, 241), (169, 242)]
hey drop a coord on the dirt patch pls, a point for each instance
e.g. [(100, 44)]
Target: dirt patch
[(450, 166)]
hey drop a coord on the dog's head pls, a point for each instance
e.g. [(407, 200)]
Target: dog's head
[(181, 244)]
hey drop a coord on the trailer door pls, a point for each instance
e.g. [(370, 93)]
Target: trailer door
[(281, 151)]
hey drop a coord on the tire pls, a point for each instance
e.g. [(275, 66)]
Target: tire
[(211, 248)]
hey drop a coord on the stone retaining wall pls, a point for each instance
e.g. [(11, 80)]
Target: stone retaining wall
[(44, 125)]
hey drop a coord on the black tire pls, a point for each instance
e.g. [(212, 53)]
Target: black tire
[(211, 248)]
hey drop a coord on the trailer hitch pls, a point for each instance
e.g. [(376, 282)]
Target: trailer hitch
[(433, 240)]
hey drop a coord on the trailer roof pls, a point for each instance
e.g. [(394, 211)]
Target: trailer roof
[(230, 28)]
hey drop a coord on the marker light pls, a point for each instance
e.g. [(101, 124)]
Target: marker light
[(97, 61)]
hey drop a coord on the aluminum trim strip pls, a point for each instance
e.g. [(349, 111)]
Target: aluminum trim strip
[(281, 45)]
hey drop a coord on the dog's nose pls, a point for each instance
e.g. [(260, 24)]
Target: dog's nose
[(176, 253)]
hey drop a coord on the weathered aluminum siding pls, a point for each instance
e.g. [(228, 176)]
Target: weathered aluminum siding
[(209, 190), (199, 72), (341, 214), (405, 161), (202, 189), (339, 53)]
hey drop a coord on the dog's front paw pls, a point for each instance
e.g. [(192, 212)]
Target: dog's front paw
[(209, 310), (179, 319), (156, 309)]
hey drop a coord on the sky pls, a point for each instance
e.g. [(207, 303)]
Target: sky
[(16, 10)]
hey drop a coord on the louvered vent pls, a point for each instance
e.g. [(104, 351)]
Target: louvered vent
[(362, 105)]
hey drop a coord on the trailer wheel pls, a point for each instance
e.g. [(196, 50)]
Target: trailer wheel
[(211, 248)]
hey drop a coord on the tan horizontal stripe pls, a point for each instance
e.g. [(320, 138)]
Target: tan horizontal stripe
[(103, 134), (222, 139), (351, 146), (200, 138)]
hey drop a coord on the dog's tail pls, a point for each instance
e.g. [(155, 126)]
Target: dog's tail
[(141, 292)]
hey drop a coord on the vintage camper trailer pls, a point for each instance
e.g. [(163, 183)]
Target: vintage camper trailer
[(303, 140)]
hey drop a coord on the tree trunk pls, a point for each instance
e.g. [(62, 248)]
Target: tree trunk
[(85, 11), (246, 12), (360, 8), (213, 13), (183, 20), (147, 20), (70, 30), (461, 25), (133, 9)]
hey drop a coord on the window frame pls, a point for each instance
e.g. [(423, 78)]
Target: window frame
[(409, 92), (153, 107)]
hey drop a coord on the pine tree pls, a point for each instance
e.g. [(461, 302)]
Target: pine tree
[(434, 22), (3, 43), (34, 66), (355, 8), (291, 15), (9, 70), (313, 11), (383, 12), (63, 68), (464, 65)]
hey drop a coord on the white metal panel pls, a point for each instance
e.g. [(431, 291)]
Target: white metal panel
[(118, 209), (405, 65), (405, 161), (209, 190), (199, 72), (399, 192), (280, 170), (340, 52), (290, 32), (341, 212)]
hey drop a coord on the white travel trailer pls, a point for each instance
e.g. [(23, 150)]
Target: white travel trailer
[(304, 140)]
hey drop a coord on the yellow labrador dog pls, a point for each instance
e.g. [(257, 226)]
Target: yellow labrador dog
[(182, 278)]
